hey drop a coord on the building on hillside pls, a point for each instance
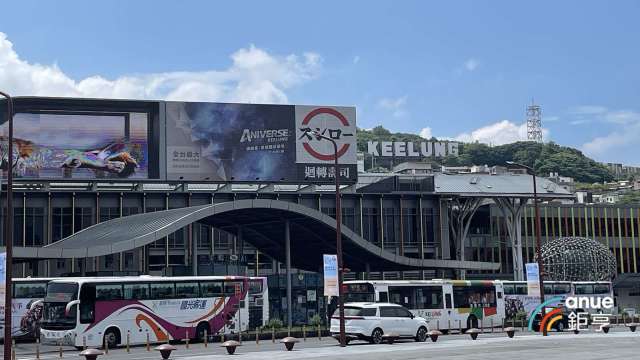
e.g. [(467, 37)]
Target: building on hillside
[(565, 182)]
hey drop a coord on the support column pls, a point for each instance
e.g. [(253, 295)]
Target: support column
[(287, 249), (512, 209), (194, 249)]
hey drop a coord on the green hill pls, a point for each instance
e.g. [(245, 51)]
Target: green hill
[(544, 158)]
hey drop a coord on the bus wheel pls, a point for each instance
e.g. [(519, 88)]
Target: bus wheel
[(112, 337), (201, 329), (560, 326)]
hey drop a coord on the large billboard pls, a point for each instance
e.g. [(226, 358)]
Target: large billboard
[(249, 142), (71, 145)]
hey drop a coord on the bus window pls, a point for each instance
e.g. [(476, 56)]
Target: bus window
[(601, 289), (187, 290), (211, 288), (136, 291), (29, 290), (548, 289), (582, 289), (162, 290), (474, 296), (403, 295), (521, 289), (230, 287), (105, 292), (509, 289), (359, 293), (560, 289), (429, 297), (384, 296), (255, 287)]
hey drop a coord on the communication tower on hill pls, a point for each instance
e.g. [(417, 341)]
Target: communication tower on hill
[(534, 122)]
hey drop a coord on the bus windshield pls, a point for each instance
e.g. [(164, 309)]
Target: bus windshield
[(360, 293), (56, 299)]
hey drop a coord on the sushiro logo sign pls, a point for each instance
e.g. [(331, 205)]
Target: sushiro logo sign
[(336, 123), (411, 149)]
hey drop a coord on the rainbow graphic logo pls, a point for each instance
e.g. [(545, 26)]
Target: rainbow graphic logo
[(549, 318)]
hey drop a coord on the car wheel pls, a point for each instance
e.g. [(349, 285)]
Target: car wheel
[(421, 335), (376, 336)]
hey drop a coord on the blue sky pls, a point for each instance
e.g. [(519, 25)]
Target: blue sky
[(454, 69)]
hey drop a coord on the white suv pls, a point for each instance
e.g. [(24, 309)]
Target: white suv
[(370, 321)]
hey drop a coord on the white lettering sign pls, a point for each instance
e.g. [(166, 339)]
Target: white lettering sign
[(411, 149)]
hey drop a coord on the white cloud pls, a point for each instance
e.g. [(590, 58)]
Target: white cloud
[(471, 64), (607, 146), (501, 132), (426, 133), (395, 106), (623, 141), (587, 110), (254, 76)]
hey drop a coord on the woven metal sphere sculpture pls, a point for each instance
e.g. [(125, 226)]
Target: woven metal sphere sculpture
[(577, 259)]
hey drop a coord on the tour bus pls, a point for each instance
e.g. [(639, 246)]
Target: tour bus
[(445, 304), (112, 311), (258, 302), (25, 318)]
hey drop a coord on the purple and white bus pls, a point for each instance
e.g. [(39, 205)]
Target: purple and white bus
[(95, 311)]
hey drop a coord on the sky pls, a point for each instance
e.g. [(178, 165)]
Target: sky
[(462, 70)]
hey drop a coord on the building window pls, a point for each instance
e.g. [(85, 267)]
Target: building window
[(61, 221), (34, 226), (128, 260), (83, 218), (109, 261), (370, 223), (391, 227), (410, 230), (108, 213)]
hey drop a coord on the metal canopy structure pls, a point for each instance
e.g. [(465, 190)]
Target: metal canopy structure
[(260, 222), (464, 193)]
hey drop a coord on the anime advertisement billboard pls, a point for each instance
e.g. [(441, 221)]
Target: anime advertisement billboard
[(77, 146), (249, 142)]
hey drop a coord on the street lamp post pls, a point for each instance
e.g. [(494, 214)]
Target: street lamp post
[(532, 172), (318, 135), (8, 232)]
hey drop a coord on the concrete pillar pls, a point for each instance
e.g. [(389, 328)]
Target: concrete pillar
[(287, 249), (194, 248)]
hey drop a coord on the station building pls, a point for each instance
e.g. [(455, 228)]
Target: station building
[(176, 213)]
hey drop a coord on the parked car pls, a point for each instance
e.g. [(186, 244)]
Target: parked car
[(370, 321)]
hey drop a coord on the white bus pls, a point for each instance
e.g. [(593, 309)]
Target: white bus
[(445, 304), (258, 302), (25, 319), (518, 300), (95, 311)]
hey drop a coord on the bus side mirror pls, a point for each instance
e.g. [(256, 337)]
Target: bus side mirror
[(67, 308), (35, 304)]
